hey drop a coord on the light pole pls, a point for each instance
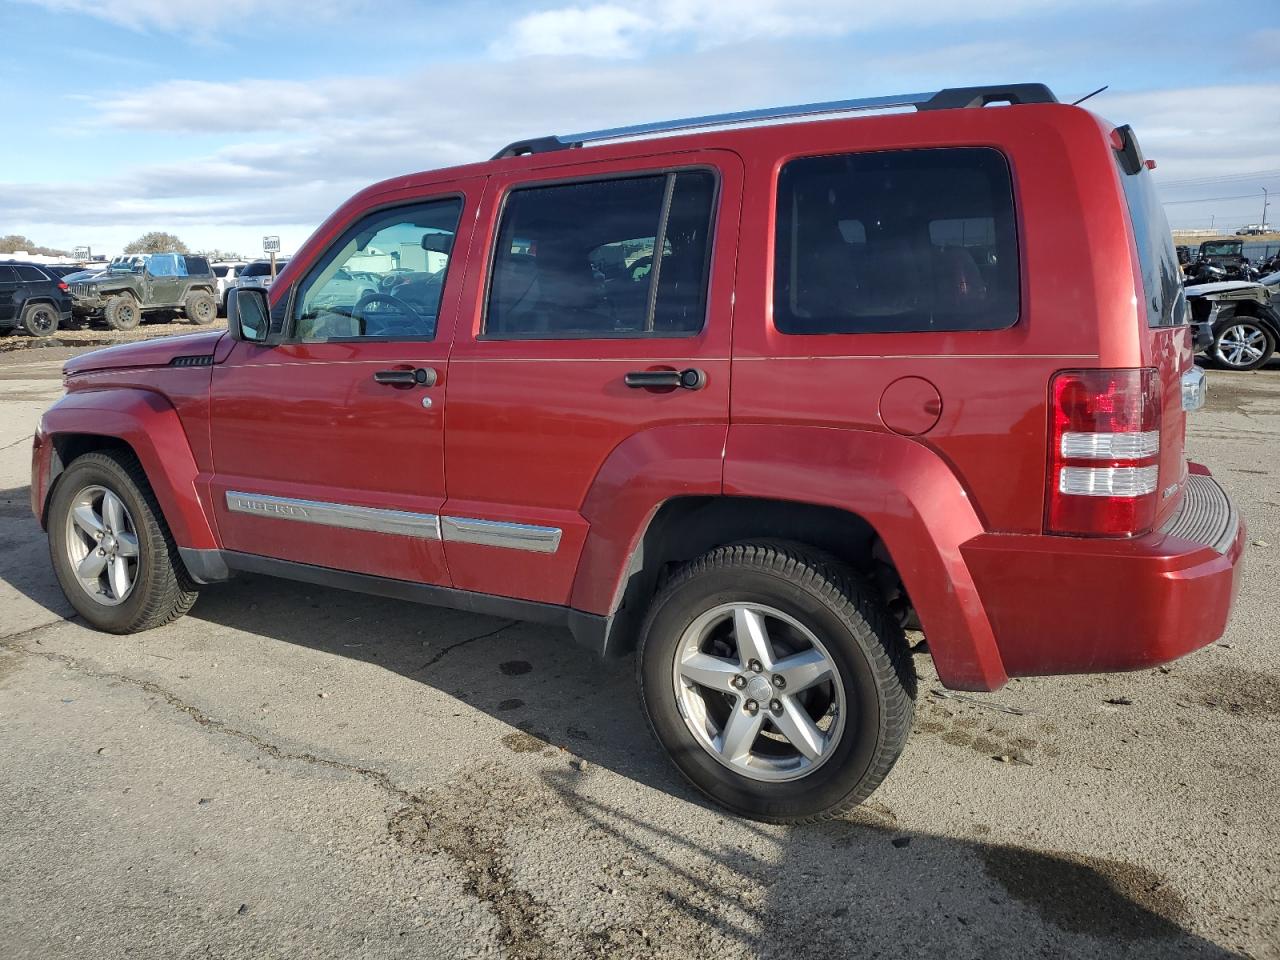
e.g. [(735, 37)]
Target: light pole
[(1265, 200)]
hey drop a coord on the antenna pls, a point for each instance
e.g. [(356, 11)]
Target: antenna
[(1088, 95)]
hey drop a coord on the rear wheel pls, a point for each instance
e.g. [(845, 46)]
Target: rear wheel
[(201, 308), (1243, 344), (40, 319), (122, 312), (111, 548), (777, 681)]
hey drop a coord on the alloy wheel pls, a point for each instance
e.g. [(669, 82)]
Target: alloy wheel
[(1241, 345), (759, 691), (102, 545)]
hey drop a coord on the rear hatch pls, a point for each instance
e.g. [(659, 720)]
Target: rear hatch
[(1163, 313)]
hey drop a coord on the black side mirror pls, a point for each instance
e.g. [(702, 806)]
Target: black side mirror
[(248, 314)]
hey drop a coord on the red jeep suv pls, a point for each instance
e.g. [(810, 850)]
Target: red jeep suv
[(748, 400)]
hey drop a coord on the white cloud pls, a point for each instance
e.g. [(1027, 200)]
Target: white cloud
[(608, 30), (165, 15)]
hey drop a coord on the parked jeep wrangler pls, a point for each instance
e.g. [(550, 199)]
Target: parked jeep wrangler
[(158, 282), (746, 401)]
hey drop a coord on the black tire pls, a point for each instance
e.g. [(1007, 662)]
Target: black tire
[(863, 640), (40, 319), (162, 589), (1241, 329), (122, 312), (200, 307)]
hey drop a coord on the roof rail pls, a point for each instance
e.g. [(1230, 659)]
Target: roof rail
[(950, 98)]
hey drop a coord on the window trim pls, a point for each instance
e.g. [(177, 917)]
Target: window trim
[(666, 171), (1016, 224), (290, 333)]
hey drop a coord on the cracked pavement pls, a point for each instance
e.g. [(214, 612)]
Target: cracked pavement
[(290, 771)]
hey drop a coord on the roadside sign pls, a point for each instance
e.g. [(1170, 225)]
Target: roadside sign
[(270, 244)]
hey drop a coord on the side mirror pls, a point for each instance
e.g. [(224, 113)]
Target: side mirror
[(248, 314)]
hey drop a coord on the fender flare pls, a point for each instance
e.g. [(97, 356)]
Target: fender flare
[(639, 476), (916, 504), (149, 424)]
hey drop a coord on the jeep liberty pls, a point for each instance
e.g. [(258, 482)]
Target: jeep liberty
[(133, 287), (747, 400)]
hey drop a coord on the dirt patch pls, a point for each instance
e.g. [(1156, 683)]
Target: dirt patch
[(100, 337), (452, 825), (1234, 392), (966, 727), (521, 742), (1248, 693), (1090, 895)]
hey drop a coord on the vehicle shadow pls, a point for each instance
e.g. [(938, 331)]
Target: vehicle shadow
[(855, 886)]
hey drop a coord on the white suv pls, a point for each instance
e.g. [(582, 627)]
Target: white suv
[(258, 273), (226, 273)]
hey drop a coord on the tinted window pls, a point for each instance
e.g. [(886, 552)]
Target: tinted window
[(1161, 276), (31, 274), (610, 258), (261, 268), (220, 271), (197, 265), (383, 278), (8, 275), (902, 241)]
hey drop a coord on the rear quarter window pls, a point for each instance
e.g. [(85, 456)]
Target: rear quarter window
[(896, 242), (1162, 293), (32, 275)]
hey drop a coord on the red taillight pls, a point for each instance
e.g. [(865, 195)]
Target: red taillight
[(1104, 452), (62, 285)]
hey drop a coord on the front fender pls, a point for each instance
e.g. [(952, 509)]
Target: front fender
[(149, 424), (917, 506)]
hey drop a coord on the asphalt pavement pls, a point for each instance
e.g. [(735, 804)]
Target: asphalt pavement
[(294, 772)]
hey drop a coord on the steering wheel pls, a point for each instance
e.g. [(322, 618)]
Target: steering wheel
[(407, 323)]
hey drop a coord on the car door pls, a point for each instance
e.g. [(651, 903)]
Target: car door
[(328, 446), (163, 279), (601, 285), (9, 295)]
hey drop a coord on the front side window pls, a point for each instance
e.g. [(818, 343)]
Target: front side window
[(383, 278), (896, 242), (625, 257)]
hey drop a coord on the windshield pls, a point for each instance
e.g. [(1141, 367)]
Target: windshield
[(1225, 249)]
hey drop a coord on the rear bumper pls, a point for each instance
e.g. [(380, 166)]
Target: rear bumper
[(1075, 605)]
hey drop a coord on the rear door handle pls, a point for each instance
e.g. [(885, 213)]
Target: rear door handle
[(418, 377), (690, 379)]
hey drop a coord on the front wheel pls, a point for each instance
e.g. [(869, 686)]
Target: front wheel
[(122, 312), (777, 681), (111, 548), (1243, 344)]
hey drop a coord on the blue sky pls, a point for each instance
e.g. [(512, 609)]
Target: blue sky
[(226, 121)]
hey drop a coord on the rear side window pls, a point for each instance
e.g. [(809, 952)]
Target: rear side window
[(31, 274), (624, 257), (896, 242), (197, 265), (1158, 259)]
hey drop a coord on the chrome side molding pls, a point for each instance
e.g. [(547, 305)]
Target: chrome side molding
[(495, 533), (425, 526)]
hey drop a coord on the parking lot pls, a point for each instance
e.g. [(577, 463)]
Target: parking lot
[(295, 772)]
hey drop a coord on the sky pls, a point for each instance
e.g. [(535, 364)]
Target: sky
[(228, 122)]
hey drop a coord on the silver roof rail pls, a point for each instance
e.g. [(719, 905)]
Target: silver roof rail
[(953, 97)]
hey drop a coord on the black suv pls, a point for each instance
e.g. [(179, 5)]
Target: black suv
[(32, 299)]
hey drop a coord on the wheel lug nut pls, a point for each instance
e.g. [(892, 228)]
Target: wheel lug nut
[(739, 681), (775, 705), (752, 707), (779, 681), (755, 666)]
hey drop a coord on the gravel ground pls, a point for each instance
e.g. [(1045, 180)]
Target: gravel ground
[(293, 772), (99, 335)]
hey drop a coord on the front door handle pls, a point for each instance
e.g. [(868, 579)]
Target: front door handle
[(418, 377), (690, 379)]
